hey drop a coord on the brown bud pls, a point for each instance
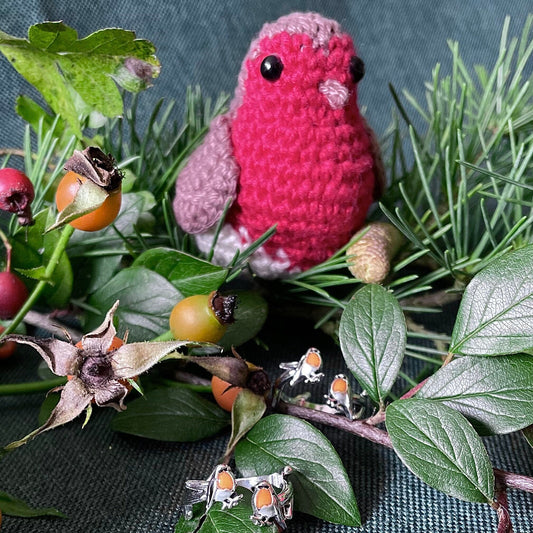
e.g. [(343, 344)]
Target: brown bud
[(369, 258)]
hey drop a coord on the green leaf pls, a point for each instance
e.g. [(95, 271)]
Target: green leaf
[(372, 336), (495, 393), (172, 414), (146, 300), (9, 505), (496, 313), (48, 405), (65, 69), (235, 520), (440, 447), (247, 410), (250, 315), (321, 485), (188, 274)]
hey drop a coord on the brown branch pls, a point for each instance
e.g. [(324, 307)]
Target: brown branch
[(504, 479), (12, 151)]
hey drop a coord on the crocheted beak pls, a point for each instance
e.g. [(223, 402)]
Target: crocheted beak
[(335, 92)]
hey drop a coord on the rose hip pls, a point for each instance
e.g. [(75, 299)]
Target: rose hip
[(13, 294), (16, 194)]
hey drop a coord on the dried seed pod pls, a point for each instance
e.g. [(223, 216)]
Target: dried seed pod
[(369, 258)]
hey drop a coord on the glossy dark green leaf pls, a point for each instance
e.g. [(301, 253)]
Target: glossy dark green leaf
[(247, 410), (173, 414), (250, 315), (496, 313), (188, 274), (494, 393), (372, 336), (440, 447), (321, 485), (9, 505), (146, 300), (235, 520)]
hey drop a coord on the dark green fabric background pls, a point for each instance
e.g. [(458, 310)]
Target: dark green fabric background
[(111, 483)]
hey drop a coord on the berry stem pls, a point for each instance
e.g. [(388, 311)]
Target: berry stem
[(52, 264), (12, 389), (504, 480), (9, 248)]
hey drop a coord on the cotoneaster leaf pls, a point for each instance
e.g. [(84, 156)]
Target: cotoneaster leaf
[(321, 485), (496, 313), (440, 447), (172, 414), (372, 336), (495, 394)]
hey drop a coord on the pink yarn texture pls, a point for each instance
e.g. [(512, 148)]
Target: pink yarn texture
[(292, 152)]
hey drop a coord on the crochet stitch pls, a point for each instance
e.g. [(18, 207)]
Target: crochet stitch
[(292, 151)]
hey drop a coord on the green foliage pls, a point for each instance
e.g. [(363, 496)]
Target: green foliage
[(321, 485), (172, 414), (372, 336), (494, 393), (9, 505), (439, 446), (79, 76), (495, 314), (465, 199)]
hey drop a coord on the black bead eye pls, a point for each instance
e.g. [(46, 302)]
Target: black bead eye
[(357, 69), (271, 68)]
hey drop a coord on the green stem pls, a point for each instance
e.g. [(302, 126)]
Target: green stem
[(54, 260), (31, 387)]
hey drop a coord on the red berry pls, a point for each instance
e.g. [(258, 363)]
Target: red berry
[(16, 194), (7, 349), (13, 294)]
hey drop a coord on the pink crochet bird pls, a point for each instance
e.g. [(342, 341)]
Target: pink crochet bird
[(292, 151)]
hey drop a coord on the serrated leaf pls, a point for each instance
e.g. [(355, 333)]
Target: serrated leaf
[(9, 505), (440, 447), (495, 394), (250, 315), (496, 313), (372, 336), (146, 300), (64, 68), (172, 414), (188, 274), (321, 485), (247, 410)]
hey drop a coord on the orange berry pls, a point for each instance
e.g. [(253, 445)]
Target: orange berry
[(224, 393), (98, 219)]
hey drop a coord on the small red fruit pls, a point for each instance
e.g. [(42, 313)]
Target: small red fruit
[(13, 294), (6, 349), (16, 194)]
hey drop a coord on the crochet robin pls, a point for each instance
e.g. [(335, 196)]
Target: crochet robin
[(293, 152)]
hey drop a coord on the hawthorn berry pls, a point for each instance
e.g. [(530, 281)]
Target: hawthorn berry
[(13, 294), (16, 194), (202, 317)]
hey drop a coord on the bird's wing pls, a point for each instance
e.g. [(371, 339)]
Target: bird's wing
[(380, 177), (208, 180)]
